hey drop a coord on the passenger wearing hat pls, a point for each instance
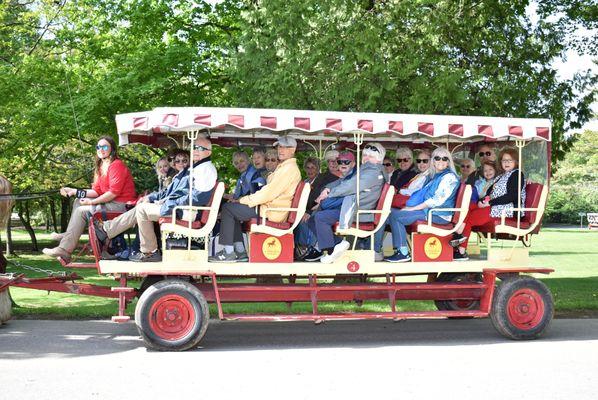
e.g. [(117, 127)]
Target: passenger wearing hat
[(371, 181), (278, 193)]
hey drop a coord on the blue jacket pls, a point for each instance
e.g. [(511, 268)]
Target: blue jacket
[(249, 182), (174, 186), (335, 202), (439, 192)]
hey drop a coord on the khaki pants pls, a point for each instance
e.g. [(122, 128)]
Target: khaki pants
[(144, 215), (79, 220)]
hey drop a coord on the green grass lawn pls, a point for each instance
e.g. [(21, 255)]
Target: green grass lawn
[(572, 253)]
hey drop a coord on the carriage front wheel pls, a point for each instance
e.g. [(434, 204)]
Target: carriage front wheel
[(522, 308), (172, 315)]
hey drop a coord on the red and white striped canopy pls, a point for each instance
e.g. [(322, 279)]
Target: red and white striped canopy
[(141, 126)]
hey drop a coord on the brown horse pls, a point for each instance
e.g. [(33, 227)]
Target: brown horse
[(5, 208)]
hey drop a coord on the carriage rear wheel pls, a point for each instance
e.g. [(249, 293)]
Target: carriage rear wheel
[(172, 315), (458, 305), (522, 308)]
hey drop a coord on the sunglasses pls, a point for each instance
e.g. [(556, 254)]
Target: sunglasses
[(438, 158), (343, 162), (104, 147), (465, 166), (421, 160), (271, 159), (387, 164), (181, 161), (403, 159), (200, 148), (484, 153), (372, 148)]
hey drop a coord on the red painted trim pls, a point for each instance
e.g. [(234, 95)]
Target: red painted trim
[(395, 126), (489, 279), (334, 124), (426, 128), (237, 120), (516, 131), (268, 122), (140, 123), (485, 130), (170, 120), (456, 129), (366, 125), (354, 316), (203, 119), (543, 132), (302, 123)]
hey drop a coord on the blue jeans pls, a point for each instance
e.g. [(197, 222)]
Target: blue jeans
[(321, 223), (397, 220), (304, 236)]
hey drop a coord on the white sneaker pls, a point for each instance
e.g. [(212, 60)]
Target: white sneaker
[(338, 251), (378, 256)]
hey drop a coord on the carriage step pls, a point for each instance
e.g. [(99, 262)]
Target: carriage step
[(353, 316)]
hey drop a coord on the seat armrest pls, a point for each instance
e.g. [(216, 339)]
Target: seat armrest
[(430, 211)]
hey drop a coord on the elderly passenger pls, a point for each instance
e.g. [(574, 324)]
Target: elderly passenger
[(250, 181), (389, 168), (439, 192), (258, 158), (503, 198), (271, 161), (371, 181), (278, 193), (405, 172), (466, 168)]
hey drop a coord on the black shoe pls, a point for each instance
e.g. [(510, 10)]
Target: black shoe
[(101, 234), (458, 256), (457, 240), (313, 255), (146, 257)]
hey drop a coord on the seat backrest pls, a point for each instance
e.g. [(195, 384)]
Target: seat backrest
[(297, 200), (380, 204), (533, 195), (206, 214), (458, 202)]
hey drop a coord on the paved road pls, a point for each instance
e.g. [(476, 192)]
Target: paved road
[(350, 359)]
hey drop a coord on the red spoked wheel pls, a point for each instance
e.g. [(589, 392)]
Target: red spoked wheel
[(172, 315), (522, 308), (459, 304)]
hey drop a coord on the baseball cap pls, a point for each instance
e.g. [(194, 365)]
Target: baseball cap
[(286, 141), (346, 155)]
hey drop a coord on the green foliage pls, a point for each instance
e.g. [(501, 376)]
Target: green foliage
[(574, 187), (468, 57)]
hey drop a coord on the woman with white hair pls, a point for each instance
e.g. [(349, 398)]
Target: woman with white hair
[(466, 167), (402, 175), (439, 192)]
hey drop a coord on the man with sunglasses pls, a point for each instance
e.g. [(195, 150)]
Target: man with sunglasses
[(406, 171), (154, 206), (278, 193), (485, 153), (371, 181), (389, 168)]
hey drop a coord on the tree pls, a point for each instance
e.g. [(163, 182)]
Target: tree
[(574, 187), (469, 57)]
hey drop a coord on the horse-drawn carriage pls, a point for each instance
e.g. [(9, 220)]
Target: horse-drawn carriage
[(172, 311)]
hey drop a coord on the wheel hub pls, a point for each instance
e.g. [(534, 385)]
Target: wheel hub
[(525, 309), (172, 317)]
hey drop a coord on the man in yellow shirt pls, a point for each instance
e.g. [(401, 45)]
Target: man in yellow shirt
[(278, 193)]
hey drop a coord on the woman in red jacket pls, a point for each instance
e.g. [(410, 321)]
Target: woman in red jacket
[(112, 188)]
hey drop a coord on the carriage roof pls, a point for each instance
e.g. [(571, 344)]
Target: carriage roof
[(152, 127)]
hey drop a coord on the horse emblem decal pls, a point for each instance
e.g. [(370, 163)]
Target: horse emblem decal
[(272, 248)]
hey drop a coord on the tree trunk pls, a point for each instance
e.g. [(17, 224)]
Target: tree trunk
[(23, 212), (9, 246), (2, 260), (64, 213), (53, 214)]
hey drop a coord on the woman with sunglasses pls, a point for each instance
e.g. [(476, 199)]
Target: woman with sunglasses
[(439, 192), (502, 197), (405, 172), (112, 188), (271, 161), (389, 168)]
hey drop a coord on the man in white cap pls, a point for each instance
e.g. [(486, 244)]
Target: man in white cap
[(278, 193)]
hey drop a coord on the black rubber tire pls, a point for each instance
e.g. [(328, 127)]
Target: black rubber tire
[(185, 301), (526, 298), (147, 282), (452, 305)]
